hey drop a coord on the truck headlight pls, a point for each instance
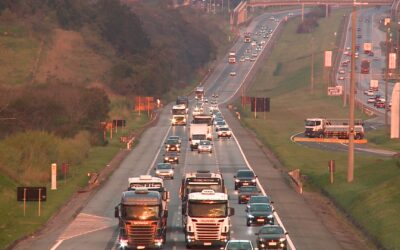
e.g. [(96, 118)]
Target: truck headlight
[(270, 216), (250, 216), (253, 180), (166, 158), (282, 239), (236, 180), (123, 243), (173, 120), (157, 171)]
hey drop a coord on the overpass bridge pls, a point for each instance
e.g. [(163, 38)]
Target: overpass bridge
[(239, 15)]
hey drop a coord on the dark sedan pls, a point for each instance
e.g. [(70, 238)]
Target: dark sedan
[(271, 237), (245, 177), (259, 214), (171, 157), (172, 145), (245, 193)]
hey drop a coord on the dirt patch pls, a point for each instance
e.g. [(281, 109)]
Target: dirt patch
[(68, 58)]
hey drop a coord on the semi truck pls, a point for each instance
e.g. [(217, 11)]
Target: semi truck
[(332, 128), (199, 93), (198, 132), (206, 220), (179, 115), (142, 216), (232, 57), (364, 67)]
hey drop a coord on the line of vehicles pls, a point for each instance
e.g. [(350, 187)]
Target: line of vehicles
[(206, 211)]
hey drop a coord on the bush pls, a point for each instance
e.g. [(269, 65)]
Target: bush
[(26, 157)]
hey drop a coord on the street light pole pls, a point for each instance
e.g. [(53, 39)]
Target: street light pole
[(350, 165)]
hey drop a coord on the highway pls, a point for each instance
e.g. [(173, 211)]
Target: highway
[(96, 228)]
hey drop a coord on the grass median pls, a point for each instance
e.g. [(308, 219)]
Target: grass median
[(372, 199)]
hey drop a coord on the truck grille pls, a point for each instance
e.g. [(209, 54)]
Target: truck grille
[(207, 231), (139, 235)]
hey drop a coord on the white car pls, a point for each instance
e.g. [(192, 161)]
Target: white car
[(341, 77), (164, 170), (233, 73), (204, 146), (242, 59), (239, 244), (341, 71), (371, 100), (369, 92)]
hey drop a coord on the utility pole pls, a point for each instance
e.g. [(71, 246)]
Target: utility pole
[(388, 47), (350, 165), (312, 66)]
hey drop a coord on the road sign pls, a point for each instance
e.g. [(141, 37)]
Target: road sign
[(328, 58), (260, 104), (31, 193), (335, 91)]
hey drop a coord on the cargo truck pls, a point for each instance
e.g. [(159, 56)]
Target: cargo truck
[(199, 93), (142, 216), (364, 67), (374, 85), (332, 128), (179, 115), (206, 221), (184, 100), (198, 132), (367, 48)]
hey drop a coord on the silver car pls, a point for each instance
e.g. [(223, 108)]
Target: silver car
[(164, 170), (204, 146)]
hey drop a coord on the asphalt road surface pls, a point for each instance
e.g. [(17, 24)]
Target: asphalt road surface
[(96, 228)]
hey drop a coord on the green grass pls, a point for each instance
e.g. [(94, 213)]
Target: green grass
[(14, 225), (18, 53), (373, 198)]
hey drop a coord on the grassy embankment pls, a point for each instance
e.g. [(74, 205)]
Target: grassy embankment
[(19, 53), (372, 199)]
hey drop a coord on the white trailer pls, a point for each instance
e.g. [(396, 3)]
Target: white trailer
[(197, 132)]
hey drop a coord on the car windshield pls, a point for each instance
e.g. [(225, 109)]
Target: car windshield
[(171, 154), (208, 209), (260, 208), (140, 212), (239, 245), (174, 138), (221, 123), (271, 230), (224, 129), (311, 123), (245, 174), (164, 166), (259, 199), (205, 142), (248, 189), (172, 141)]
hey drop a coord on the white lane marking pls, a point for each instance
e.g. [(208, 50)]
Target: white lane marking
[(58, 243), (158, 151), (292, 247)]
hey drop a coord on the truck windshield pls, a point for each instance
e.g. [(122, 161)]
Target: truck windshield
[(208, 209), (311, 123), (178, 111), (140, 212), (200, 187)]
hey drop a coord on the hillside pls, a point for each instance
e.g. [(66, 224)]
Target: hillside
[(66, 66)]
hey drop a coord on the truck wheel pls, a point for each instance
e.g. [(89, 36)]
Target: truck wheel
[(191, 149), (248, 223)]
